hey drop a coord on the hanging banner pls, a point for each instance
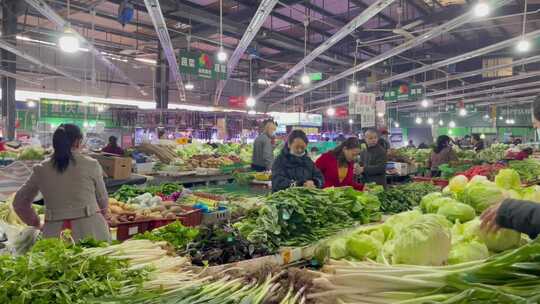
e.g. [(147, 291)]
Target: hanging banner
[(203, 65), (342, 112), (380, 106), (404, 92), (363, 104), (237, 102)]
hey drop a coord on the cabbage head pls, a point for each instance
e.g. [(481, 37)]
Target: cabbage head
[(531, 194), (478, 179), (508, 179), (338, 248), (362, 246), (481, 196), (457, 211), (458, 183), (513, 194), (434, 205), (397, 222), (501, 240), (425, 242), (467, 252), (427, 199)]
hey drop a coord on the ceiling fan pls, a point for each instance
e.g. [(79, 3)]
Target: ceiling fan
[(399, 29)]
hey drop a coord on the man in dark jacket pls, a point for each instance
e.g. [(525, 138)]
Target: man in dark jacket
[(294, 167), (373, 160), (522, 216)]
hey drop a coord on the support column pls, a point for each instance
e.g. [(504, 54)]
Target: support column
[(8, 85), (162, 81)]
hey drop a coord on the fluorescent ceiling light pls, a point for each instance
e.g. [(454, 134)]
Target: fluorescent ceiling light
[(146, 60), (68, 42), (24, 38)]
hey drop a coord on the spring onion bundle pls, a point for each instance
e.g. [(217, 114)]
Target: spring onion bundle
[(510, 277)]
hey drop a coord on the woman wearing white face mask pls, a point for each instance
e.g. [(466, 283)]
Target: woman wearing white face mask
[(293, 167)]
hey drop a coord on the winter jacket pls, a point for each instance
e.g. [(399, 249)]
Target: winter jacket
[(328, 164), (291, 170), (522, 216), (373, 159), (263, 151), (445, 156)]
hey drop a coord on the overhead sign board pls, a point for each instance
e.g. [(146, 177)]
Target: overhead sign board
[(297, 119), (202, 65), (363, 104), (404, 92)]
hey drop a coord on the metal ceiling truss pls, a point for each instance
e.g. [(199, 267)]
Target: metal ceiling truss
[(42, 7), (350, 27), (485, 83), (462, 57), (154, 11), (480, 71), (18, 77), (445, 27), (264, 9), (11, 48)]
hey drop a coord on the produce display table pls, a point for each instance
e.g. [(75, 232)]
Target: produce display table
[(192, 180), (234, 189), (115, 184)]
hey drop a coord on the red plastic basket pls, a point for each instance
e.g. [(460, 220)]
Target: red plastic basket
[(191, 217), (125, 231)]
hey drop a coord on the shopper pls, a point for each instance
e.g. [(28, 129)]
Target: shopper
[(523, 154), (113, 147), (73, 190), (263, 150), (373, 159), (478, 143), (411, 144), (337, 166), (383, 139), (442, 154), (293, 167)]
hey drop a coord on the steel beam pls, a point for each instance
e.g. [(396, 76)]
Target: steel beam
[(42, 7), (10, 48), (483, 84), (154, 11), (466, 56), (18, 77), (445, 27), (350, 27), (258, 19), (489, 91), (480, 71)]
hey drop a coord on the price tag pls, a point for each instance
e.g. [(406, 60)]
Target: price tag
[(133, 230)]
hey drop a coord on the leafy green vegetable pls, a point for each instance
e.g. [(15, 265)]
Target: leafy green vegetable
[(31, 153), (434, 205), (175, 234), (457, 211), (53, 272), (458, 183), (508, 179), (300, 216), (403, 197), (528, 169)]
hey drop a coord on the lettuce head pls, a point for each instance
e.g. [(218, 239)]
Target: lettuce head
[(467, 252), (531, 194), (434, 205), (362, 246), (458, 183), (427, 199), (499, 241), (457, 211), (480, 196), (508, 179)]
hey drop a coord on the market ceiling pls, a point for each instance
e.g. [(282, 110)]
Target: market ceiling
[(278, 40)]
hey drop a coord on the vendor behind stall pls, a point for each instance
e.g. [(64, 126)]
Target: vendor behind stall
[(373, 159), (113, 147), (293, 167), (441, 154), (337, 166), (263, 150), (73, 190), (478, 143)]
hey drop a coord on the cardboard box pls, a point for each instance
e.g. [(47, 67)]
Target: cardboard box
[(115, 167)]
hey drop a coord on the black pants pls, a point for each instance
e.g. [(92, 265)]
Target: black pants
[(258, 168)]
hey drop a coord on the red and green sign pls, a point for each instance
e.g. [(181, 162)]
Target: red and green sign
[(202, 65), (404, 92)]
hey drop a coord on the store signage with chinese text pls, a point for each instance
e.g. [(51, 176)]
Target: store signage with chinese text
[(342, 112), (363, 104), (297, 119), (404, 92), (237, 101), (203, 65)]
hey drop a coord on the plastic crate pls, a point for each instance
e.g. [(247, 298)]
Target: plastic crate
[(216, 217), (192, 216), (125, 231)]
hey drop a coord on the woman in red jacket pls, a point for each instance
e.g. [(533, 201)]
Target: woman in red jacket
[(337, 165)]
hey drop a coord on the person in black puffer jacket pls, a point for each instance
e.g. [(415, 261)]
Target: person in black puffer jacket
[(293, 167)]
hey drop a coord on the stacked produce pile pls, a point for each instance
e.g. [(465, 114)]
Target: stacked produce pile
[(528, 169), (300, 216)]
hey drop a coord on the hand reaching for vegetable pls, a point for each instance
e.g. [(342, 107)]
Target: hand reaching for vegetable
[(489, 218), (309, 184)]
